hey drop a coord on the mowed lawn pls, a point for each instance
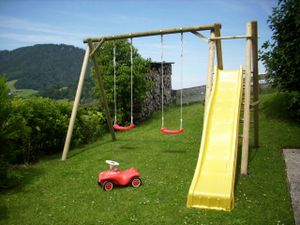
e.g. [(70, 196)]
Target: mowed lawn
[(57, 192)]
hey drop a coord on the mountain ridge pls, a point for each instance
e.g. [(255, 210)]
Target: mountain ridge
[(42, 66)]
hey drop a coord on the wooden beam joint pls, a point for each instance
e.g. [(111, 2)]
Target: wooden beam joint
[(97, 47), (199, 35)]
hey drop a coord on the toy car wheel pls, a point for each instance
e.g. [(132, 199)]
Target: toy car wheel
[(107, 186), (136, 182)]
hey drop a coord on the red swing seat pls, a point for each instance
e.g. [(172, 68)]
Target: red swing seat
[(163, 129), (168, 131), (123, 128)]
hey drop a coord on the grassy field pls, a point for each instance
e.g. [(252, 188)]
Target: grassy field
[(56, 192), (20, 92)]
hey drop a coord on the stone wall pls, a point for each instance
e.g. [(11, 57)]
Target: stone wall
[(197, 94), (152, 102), (193, 94)]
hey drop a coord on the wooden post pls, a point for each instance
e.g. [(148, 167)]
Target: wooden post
[(217, 29), (75, 104), (247, 92), (102, 92), (211, 59), (255, 82)]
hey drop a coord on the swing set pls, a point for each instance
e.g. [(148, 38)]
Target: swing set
[(163, 129), (116, 126), (215, 49)]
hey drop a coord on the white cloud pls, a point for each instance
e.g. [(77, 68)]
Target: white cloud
[(82, 16), (39, 38), (231, 6), (35, 32), (266, 6), (26, 25), (111, 18)]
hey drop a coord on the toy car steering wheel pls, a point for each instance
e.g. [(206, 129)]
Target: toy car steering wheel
[(112, 163)]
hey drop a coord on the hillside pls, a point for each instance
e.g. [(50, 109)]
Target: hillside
[(56, 192), (42, 66)]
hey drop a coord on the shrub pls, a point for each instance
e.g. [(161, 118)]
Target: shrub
[(123, 70), (10, 130), (47, 123), (36, 126), (281, 54), (90, 125)]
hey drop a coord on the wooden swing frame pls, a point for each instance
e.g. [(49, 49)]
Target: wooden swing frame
[(215, 48)]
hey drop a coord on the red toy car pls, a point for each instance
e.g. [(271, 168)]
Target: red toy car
[(114, 177)]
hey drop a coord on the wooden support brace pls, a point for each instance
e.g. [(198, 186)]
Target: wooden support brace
[(254, 103), (75, 104), (231, 37), (200, 36), (97, 47), (242, 121), (102, 93)]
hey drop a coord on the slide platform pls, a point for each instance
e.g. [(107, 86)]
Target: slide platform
[(213, 182)]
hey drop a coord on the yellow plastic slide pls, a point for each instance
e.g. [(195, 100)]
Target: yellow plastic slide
[(213, 183)]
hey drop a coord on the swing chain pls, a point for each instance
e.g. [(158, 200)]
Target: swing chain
[(131, 81), (162, 87), (115, 91), (181, 80), (162, 80)]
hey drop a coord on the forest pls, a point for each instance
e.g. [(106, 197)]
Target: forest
[(51, 69)]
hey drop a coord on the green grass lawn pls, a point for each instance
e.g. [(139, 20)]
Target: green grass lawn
[(56, 192), (20, 92)]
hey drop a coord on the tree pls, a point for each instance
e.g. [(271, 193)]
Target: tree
[(11, 127), (140, 83), (281, 55)]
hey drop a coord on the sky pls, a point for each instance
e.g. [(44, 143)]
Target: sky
[(30, 22)]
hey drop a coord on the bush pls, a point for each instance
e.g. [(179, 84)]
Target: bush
[(281, 54), (90, 125), (37, 126), (123, 70), (11, 128), (293, 101), (282, 106), (47, 123)]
